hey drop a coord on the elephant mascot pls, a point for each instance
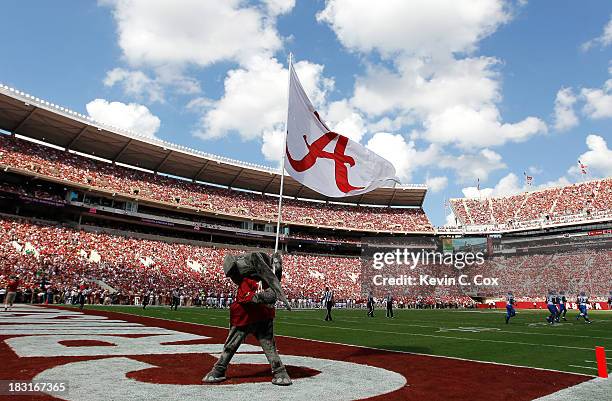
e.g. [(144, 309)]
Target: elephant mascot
[(257, 276)]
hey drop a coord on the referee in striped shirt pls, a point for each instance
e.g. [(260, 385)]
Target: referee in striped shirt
[(328, 300)]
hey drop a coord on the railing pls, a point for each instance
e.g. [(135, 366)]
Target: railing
[(554, 221)]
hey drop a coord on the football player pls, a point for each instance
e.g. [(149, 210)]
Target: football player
[(583, 301), (552, 308), (510, 312), (562, 306)]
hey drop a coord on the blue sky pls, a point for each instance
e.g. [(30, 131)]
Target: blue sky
[(449, 91)]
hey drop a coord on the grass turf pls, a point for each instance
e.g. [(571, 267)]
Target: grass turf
[(480, 335)]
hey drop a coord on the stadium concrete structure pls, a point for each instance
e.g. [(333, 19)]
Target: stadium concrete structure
[(61, 167)]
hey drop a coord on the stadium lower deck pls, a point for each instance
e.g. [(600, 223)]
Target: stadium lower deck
[(120, 354)]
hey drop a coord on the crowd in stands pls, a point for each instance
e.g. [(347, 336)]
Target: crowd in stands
[(531, 276), (554, 204), (84, 171), (52, 261), (64, 257)]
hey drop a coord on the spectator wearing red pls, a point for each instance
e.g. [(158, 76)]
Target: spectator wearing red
[(11, 292)]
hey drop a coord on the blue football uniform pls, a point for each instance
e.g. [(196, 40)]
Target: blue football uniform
[(583, 301), (510, 312), (552, 308)]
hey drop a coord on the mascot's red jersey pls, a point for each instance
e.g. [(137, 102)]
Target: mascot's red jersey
[(243, 311)]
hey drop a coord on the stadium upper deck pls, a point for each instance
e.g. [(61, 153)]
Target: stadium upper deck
[(26, 158), (585, 202), (29, 116)]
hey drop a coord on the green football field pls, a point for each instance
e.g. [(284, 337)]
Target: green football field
[(480, 335)]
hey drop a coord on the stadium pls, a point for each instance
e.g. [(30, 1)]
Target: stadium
[(128, 217), (299, 200)]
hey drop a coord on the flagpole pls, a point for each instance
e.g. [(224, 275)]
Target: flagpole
[(283, 150)]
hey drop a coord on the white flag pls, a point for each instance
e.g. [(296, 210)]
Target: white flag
[(326, 161)]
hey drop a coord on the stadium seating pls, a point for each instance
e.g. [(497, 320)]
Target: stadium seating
[(530, 277), (83, 171), (577, 202), (133, 265)]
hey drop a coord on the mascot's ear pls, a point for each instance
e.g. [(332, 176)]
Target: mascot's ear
[(229, 263)]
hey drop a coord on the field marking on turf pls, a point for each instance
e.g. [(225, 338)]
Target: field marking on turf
[(583, 367), (489, 329), (346, 319), (609, 364), (447, 337), (372, 348)]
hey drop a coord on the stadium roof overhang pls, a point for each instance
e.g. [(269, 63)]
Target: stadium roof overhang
[(35, 118)]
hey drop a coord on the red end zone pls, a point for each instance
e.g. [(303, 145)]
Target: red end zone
[(30, 347)]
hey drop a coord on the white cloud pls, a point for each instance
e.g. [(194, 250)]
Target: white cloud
[(432, 79), (343, 119), (403, 155), (598, 102), (470, 167), (255, 98), (173, 76), (158, 32), (472, 192), (510, 184), (421, 27), (135, 83), (507, 185), (598, 158), (272, 145), (390, 124), (132, 116), (559, 182), (565, 117), (471, 128), (436, 184), (278, 7), (420, 87), (168, 38), (200, 104), (605, 39), (534, 170)]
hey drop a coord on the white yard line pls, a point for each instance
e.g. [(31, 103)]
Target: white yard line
[(583, 367), (437, 336), (284, 318), (372, 348), (609, 364)]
